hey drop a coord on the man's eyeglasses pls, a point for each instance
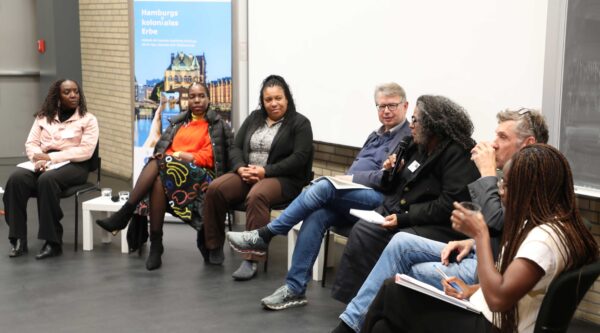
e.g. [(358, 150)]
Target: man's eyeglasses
[(526, 113), (389, 106), (523, 111)]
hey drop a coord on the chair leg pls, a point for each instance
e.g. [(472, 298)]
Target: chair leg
[(76, 222), (325, 258), (230, 217), (266, 262)]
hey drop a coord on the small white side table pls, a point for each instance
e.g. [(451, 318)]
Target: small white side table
[(100, 204)]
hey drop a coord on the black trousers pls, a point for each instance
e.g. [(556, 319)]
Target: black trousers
[(400, 309), (47, 187), (364, 247)]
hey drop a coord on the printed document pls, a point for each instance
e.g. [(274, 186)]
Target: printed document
[(414, 284), (341, 184), (31, 167), (368, 215)]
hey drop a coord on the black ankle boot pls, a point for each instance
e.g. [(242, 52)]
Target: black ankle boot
[(156, 250), (117, 221)]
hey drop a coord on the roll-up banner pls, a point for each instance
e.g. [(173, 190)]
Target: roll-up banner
[(177, 43)]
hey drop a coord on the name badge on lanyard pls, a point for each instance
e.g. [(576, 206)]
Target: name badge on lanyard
[(67, 133), (414, 166)]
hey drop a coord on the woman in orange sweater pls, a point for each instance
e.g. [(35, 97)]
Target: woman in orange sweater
[(190, 153)]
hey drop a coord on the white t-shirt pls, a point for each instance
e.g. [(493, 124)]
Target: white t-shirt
[(542, 247)]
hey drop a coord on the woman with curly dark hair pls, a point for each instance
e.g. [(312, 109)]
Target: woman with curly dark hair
[(543, 236), (441, 119), (433, 171), (63, 131)]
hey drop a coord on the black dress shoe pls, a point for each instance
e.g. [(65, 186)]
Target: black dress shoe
[(49, 250), (18, 249)]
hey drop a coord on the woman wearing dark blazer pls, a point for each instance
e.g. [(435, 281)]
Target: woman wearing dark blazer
[(271, 161), (436, 171)]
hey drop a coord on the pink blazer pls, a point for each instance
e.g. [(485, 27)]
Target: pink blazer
[(73, 140)]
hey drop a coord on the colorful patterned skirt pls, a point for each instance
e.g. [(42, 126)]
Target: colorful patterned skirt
[(184, 184)]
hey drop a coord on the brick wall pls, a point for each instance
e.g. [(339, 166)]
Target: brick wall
[(333, 159), (106, 59)]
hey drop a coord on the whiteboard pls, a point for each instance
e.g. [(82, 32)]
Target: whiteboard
[(485, 55)]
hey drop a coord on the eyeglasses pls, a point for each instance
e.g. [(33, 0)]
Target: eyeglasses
[(390, 106), (526, 113)]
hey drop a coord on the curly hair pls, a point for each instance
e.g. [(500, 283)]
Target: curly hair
[(540, 192), (50, 107), (443, 118), (277, 81)]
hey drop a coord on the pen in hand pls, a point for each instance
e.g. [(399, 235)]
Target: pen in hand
[(445, 277)]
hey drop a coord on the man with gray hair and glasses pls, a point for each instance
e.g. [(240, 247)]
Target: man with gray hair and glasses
[(322, 205), (420, 257)]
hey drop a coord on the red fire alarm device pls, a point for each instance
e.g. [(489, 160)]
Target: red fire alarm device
[(41, 45)]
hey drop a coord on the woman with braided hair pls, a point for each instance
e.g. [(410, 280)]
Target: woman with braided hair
[(543, 236)]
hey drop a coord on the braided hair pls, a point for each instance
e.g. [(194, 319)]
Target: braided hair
[(51, 104), (540, 191)]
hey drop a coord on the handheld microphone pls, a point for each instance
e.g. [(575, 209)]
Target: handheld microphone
[(399, 151)]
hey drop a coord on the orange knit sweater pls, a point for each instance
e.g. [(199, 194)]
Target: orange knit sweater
[(193, 138)]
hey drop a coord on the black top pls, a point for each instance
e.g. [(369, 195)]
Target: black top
[(65, 114)]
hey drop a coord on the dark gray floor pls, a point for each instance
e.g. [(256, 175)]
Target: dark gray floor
[(106, 291)]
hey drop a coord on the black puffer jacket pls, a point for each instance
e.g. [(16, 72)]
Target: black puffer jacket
[(219, 131)]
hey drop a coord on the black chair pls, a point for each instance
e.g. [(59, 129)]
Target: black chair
[(342, 231), (563, 296), (77, 190)]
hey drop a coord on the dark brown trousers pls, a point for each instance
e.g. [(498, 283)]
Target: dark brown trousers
[(230, 190)]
